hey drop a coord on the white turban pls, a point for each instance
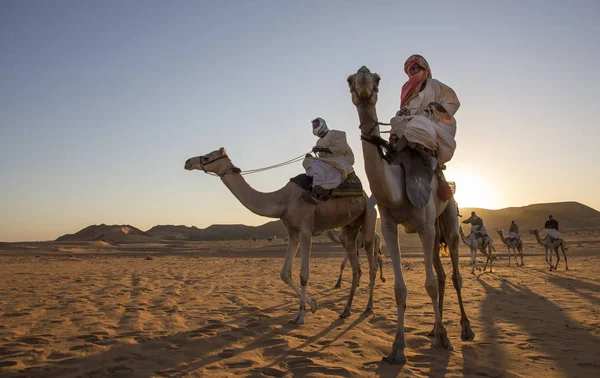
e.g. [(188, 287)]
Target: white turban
[(322, 129)]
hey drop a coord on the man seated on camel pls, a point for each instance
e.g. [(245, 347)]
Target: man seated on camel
[(551, 227), (477, 226), (332, 164), (513, 232), (425, 120)]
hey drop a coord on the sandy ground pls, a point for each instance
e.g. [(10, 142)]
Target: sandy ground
[(220, 309)]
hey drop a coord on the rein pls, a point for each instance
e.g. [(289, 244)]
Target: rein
[(234, 169)]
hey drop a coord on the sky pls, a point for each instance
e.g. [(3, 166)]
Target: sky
[(101, 103)]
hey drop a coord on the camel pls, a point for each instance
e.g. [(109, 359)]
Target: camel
[(333, 235), (550, 245), (436, 219), (476, 244), (514, 244), (303, 220)]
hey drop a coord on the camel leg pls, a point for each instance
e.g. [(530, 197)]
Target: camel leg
[(557, 257), (550, 250), (286, 271), (380, 265), (562, 246), (348, 237), (369, 242), (389, 230), (427, 235), (305, 238), (521, 253), (339, 281), (441, 275)]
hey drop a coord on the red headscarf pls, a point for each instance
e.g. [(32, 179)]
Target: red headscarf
[(411, 88)]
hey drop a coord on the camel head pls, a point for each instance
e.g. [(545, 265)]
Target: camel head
[(364, 86), (460, 230), (216, 162), (535, 231), (500, 232)]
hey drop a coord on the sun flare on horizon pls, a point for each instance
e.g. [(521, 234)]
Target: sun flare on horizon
[(474, 190)]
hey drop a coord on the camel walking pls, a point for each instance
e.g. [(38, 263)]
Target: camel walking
[(436, 219), (515, 245), (333, 235), (476, 244), (550, 245), (303, 220)]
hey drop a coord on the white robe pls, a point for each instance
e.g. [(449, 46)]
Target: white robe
[(435, 131), (330, 169)]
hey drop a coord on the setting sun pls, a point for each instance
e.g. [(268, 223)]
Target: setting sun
[(474, 190)]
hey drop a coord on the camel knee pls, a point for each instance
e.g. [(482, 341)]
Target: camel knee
[(457, 280), (304, 277), (285, 275), (401, 293), (431, 285)]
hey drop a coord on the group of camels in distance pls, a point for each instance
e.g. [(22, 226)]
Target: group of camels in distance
[(436, 220)]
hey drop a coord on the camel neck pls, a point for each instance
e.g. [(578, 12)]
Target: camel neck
[(384, 183), (270, 205)]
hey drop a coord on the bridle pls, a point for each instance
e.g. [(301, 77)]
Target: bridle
[(230, 170)]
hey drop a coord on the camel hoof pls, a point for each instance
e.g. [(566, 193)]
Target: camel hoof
[(337, 285), (368, 310), (346, 313), (382, 279), (432, 332), (297, 320), (442, 340), (395, 358), (467, 333), (313, 306)]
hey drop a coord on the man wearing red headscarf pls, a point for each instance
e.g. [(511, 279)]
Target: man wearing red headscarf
[(427, 108)]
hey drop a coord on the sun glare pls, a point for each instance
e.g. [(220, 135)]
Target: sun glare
[(473, 190)]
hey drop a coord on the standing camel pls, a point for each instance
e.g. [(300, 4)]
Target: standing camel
[(476, 244), (514, 244), (334, 236), (303, 220), (551, 245), (436, 219)]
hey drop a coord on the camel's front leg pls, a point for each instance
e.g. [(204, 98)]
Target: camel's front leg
[(390, 234), (342, 266), (427, 236), (348, 236), (562, 246), (557, 257), (305, 237), (441, 275), (286, 271), (509, 257)]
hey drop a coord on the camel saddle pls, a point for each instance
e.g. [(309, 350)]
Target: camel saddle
[(351, 186), (417, 175)]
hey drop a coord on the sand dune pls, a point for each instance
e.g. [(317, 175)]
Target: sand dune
[(190, 311)]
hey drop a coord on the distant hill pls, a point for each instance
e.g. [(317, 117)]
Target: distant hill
[(113, 234), (220, 232), (571, 216)]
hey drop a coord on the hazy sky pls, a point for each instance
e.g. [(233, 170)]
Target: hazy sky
[(102, 102)]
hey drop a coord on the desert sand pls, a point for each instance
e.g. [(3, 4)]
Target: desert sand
[(220, 309)]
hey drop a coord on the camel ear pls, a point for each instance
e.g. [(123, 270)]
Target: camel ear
[(222, 151), (377, 79), (350, 81)]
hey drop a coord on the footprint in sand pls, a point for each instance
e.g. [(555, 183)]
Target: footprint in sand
[(272, 372), (59, 356), (34, 340), (240, 364), (7, 363)]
